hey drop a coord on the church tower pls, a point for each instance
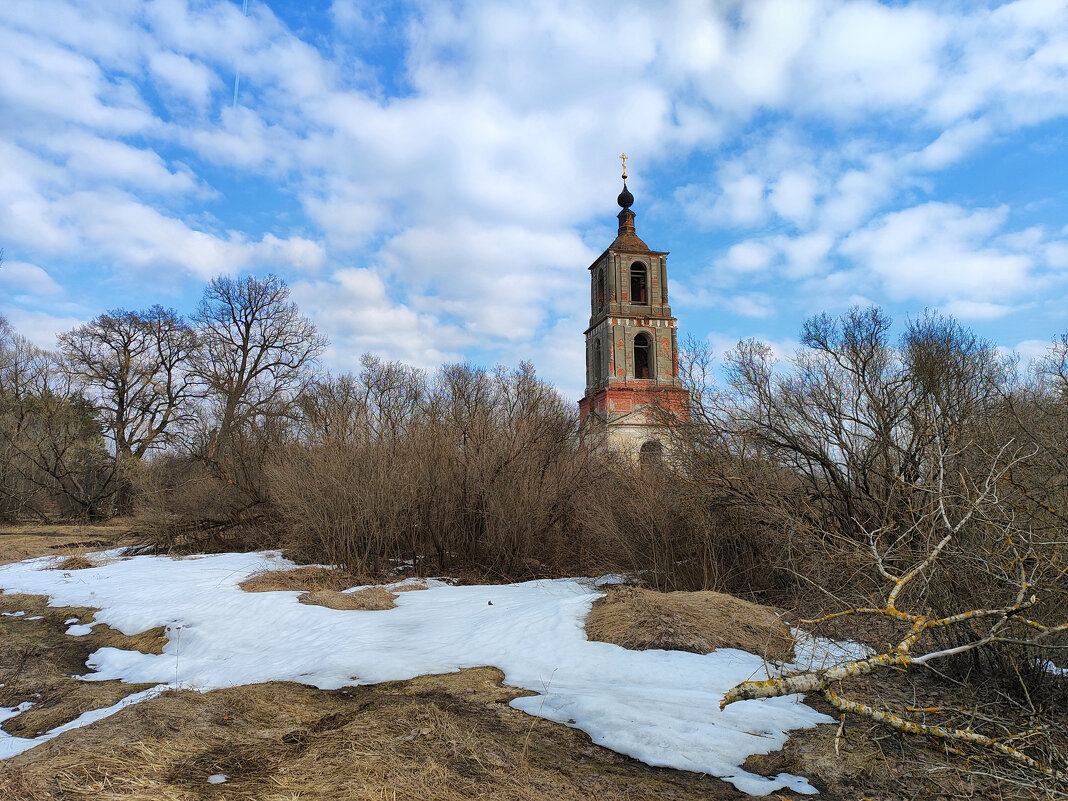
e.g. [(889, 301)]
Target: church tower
[(632, 361)]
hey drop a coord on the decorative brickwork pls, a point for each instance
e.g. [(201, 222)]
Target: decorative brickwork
[(632, 360)]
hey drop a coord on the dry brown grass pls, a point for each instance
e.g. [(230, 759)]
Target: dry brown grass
[(73, 563), (368, 599), (25, 541), (322, 586), (434, 738), (38, 662), (301, 579), (698, 622), (147, 642)]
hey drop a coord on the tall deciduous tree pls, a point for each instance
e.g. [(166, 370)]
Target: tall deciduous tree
[(133, 363), (133, 366), (255, 348)]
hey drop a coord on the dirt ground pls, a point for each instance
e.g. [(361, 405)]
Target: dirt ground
[(435, 737)]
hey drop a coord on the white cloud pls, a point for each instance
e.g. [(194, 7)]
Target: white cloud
[(953, 144), (39, 327), (1056, 255), (95, 157), (354, 309), (793, 196), (806, 254), (858, 192), (865, 55), (940, 251), (751, 304), (749, 256), (189, 80), (502, 282), (1032, 349), (977, 309), (243, 139), (738, 200), (19, 277), (41, 82), (763, 56)]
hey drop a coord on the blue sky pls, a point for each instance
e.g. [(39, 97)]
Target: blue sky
[(433, 178)]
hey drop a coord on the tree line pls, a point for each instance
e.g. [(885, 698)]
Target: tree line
[(80, 423)]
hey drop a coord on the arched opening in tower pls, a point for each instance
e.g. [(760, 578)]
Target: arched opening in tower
[(598, 372), (600, 289), (639, 292), (651, 452), (642, 356)]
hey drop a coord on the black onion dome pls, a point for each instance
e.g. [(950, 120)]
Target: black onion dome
[(625, 199)]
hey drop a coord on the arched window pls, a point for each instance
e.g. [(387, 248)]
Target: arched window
[(639, 284), (597, 363), (643, 357), (651, 452), (600, 289)]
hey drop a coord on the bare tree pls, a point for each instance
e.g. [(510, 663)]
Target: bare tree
[(255, 348), (381, 402), (55, 459), (133, 365)]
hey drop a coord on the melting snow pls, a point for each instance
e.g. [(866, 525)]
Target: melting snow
[(10, 746), (661, 707)]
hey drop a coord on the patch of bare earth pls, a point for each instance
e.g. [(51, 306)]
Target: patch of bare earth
[(302, 579), (698, 622), (322, 586), (368, 599)]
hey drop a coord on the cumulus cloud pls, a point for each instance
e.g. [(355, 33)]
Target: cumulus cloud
[(181, 76), (22, 278), (39, 327), (94, 157), (977, 309), (939, 250), (355, 308)]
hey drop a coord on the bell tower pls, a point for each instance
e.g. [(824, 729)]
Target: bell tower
[(632, 361)]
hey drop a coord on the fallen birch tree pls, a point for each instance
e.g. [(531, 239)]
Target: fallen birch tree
[(1025, 571)]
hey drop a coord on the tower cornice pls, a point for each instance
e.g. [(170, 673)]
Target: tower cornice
[(623, 251)]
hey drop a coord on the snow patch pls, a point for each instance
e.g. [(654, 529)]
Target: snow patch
[(11, 746), (661, 707)]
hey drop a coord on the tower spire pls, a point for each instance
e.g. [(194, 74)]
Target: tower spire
[(625, 199)]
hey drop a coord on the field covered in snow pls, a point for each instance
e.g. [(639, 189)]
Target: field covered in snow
[(661, 707)]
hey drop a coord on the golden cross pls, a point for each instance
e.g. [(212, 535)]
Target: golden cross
[(624, 157)]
